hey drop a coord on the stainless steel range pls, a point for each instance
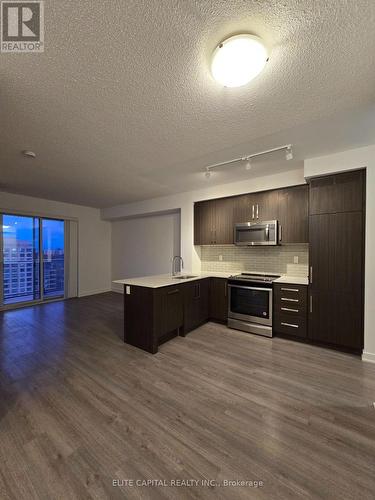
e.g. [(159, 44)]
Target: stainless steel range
[(250, 302)]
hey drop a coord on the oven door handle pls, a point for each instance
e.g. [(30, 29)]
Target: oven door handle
[(251, 288)]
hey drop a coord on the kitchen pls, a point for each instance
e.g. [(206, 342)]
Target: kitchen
[(316, 298)]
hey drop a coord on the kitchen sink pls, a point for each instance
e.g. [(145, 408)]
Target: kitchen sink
[(184, 277)]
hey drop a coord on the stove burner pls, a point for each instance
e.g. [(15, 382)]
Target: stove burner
[(264, 278)]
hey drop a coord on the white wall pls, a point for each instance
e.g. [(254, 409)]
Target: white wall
[(144, 246), (349, 160), (94, 238), (184, 203)]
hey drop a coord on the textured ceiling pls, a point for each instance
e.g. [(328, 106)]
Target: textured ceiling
[(121, 106)]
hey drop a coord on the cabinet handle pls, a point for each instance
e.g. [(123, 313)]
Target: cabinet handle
[(290, 310), (290, 289), (225, 289), (280, 232), (290, 324), (311, 304), (257, 211), (253, 212), (199, 291), (173, 292), (311, 270), (289, 300)]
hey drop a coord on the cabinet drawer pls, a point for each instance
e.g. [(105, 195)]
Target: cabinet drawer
[(290, 325), (290, 309), (293, 296)]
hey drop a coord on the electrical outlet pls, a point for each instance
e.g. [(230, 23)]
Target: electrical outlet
[(295, 259), (220, 258), (127, 290)]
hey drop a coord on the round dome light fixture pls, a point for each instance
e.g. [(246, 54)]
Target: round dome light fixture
[(238, 59)]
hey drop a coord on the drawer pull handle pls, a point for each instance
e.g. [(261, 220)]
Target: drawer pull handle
[(289, 300), (288, 309), (290, 324), (173, 292), (290, 289)]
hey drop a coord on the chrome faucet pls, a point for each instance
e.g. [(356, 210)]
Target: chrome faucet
[(174, 265)]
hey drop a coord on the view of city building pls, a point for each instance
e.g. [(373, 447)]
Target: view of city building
[(21, 258)]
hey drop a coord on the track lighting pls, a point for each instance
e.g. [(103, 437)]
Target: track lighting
[(248, 159)]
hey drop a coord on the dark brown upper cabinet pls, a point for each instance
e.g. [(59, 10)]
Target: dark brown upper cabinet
[(204, 223), (214, 219), (213, 222), (223, 221), (267, 205), (337, 193), (244, 208), (256, 207), (294, 214)]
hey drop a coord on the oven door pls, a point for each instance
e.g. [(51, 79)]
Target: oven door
[(258, 233), (249, 303)]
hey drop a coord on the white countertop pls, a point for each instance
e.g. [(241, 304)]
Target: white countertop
[(168, 280), (292, 280)]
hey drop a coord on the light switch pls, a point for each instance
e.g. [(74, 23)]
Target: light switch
[(127, 290), (220, 258), (295, 259)]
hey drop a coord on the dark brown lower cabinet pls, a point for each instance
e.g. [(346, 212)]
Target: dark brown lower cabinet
[(218, 310), (290, 310), (196, 295), (152, 315)]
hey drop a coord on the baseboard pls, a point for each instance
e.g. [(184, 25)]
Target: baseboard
[(93, 292), (369, 357), (118, 288)]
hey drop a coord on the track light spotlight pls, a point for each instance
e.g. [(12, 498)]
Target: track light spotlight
[(248, 164), (208, 173), (289, 154)]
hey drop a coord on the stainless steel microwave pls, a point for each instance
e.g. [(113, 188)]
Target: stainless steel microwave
[(256, 233)]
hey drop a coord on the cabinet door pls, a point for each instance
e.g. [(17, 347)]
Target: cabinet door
[(337, 193), (321, 252), (224, 223), (204, 215), (336, 279), (244, 208), (171, 314), (195, 304), (197, 223), (294, 214), (218, 300), (267, 205)]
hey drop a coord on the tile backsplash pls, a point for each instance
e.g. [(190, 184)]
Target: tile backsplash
[(279, 260)]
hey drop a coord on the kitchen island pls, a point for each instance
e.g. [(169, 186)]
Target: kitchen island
[(158, 308)]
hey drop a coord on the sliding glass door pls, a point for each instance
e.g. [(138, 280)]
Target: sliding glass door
[(21, 259), (33, 252), (53, 258)]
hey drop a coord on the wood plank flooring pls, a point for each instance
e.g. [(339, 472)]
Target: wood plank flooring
[(80, 409)]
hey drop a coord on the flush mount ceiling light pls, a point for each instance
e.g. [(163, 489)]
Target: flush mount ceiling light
[(238, 59)]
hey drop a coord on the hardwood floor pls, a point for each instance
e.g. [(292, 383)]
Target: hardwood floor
[(80, 409)]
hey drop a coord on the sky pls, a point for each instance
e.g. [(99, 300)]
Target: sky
[(16, 227)]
